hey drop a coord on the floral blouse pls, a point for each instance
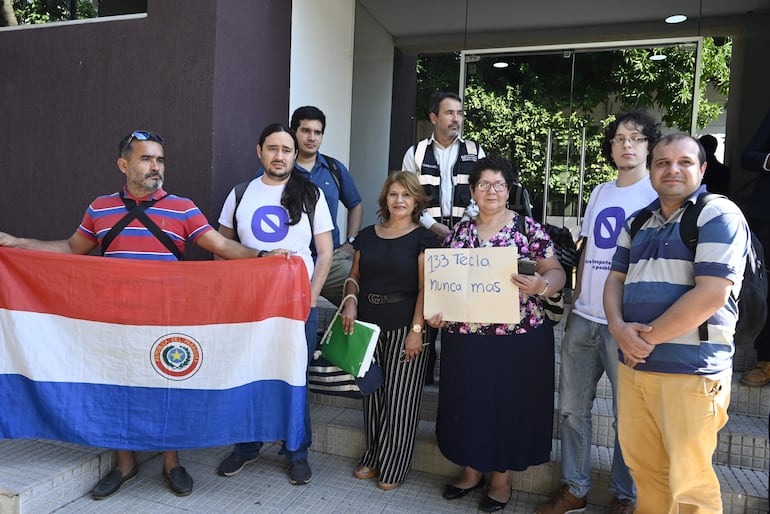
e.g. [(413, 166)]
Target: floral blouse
[(534, 244)]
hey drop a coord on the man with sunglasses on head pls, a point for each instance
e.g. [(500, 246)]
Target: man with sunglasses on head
[(588, 350), (127, 225)]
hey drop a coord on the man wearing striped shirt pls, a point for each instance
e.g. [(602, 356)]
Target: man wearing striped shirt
[(107, 224), (674, 389)]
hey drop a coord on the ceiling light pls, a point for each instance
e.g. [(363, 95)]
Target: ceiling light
[(500, 64), (658, 57), (676, 18)]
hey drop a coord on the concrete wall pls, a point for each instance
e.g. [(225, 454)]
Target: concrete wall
[(370, 123), (322, 67), (206, 78), (322, 73)]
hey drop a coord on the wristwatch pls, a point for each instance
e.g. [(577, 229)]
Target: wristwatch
[(351, 239), (417, 328)]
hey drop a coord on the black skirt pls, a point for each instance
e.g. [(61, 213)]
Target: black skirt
[(495, 410)]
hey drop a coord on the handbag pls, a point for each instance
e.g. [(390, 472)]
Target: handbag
[(327, 378), (553, 306)]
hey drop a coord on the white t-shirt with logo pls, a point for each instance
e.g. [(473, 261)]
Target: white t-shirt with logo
[(263, 221), (607, 210)]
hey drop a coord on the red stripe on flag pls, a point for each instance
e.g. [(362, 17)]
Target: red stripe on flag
[(156, 293)]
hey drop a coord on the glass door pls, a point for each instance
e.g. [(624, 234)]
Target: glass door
[(546, 109)]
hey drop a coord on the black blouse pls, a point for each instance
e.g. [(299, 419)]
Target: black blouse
[(386, 267)]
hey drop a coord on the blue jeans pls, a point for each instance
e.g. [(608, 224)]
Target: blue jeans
[(587, 351), (251, 450)]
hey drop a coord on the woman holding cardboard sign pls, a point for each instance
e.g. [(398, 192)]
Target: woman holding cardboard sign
[(495, 411), (387, 278)]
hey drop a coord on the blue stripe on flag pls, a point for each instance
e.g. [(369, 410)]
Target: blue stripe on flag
[(141, 418)]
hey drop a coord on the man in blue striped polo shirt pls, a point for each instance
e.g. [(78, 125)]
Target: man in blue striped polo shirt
[(674, 389)]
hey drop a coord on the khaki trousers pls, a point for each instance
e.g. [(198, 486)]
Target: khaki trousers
[(667, 426)]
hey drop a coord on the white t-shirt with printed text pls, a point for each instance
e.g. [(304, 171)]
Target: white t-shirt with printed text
[(607, 210), (263, 221)]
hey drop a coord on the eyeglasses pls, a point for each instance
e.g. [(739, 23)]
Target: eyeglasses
[(638, 140), (497, 186)]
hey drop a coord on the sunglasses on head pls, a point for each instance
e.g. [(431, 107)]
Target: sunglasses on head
[(139, 135), (144, 135)]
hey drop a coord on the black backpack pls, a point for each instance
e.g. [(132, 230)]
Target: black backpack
[(752, 301)]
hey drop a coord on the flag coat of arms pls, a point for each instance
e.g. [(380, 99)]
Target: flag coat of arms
[(152, 355)]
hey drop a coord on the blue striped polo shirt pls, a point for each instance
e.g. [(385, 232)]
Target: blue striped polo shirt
[(660, 268)]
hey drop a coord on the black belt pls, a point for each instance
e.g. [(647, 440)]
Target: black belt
[(379, 299)]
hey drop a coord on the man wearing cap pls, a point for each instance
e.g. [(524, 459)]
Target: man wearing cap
[(141, 160)]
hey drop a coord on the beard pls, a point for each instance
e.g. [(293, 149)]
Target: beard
[(152, 181), (278, 175)]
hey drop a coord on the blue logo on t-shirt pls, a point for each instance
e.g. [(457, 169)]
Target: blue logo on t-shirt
[(270, 223), (608, 224)]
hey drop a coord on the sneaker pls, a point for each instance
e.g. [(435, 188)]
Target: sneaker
[(562, 502), (233, 464), (758, 376), (619, 506), (299, 472)]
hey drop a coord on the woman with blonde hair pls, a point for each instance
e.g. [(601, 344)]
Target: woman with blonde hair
[(387, 279)]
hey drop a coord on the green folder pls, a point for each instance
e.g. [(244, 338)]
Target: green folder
[(352, 352)]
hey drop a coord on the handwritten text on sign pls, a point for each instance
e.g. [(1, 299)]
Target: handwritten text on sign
[(472, 284)]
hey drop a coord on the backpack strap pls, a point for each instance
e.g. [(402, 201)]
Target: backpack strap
[(688, 225), (334, 167), (419, 153), (136, 210), (239, 190), (639, 220), (688, 233)]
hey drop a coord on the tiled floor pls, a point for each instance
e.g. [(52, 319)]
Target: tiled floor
[(263, 487)]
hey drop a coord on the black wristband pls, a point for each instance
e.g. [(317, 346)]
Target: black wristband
[(261, 253)]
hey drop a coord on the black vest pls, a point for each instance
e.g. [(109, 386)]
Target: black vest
[(430, 179)]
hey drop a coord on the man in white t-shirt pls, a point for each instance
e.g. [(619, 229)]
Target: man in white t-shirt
[(279, 213), (587, 349)]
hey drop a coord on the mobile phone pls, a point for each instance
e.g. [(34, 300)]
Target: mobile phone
[(527, 267)]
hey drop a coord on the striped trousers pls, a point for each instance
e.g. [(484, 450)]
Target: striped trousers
[(392, 412)]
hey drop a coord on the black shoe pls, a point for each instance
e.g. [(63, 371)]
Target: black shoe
[(299, 472), (179, 481), (452, 492), (111, 482), (233, 464), (487, 504)]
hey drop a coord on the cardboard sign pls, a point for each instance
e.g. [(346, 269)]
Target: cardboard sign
[(472, 284)]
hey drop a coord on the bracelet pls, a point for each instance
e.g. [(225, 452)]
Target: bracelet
[(351, 279), (545, 289)]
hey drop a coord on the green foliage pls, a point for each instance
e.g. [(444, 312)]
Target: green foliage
[(509, 112), (514, 127), (668, 85), (38, 11)]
